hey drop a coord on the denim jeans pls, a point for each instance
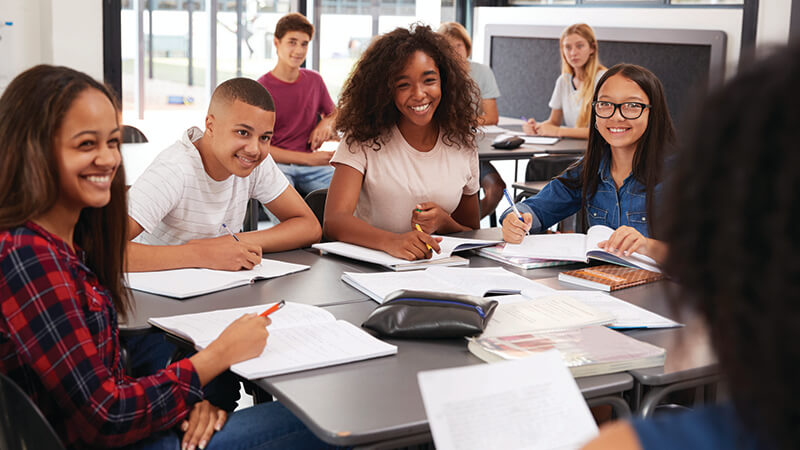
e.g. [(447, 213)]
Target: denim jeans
[(265, 426), (307, 178), (149, 353)]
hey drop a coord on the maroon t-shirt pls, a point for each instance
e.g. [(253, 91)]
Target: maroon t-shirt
[(297, 108)]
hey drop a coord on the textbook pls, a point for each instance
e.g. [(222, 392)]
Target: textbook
[(454, 280), (523, 262), (448, 245), (587, 351), (609, 277), (577, 247), (183, 283), (532, 403), (301, 337)]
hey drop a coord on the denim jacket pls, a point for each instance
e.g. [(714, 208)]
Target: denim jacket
[(608, 206)]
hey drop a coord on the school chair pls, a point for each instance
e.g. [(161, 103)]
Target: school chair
[(132, 135), (22, 425), (316, 201)]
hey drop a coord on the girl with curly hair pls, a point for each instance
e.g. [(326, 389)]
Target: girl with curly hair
[(407, 166), (731, 225), (616, 182)]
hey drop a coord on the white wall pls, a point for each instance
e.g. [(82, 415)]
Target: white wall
[(61, 32), (773, 22), (774, 18)]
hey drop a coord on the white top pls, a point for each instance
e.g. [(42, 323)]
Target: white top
[(484, 78), (175, 200), (567, 98), (398, 177)]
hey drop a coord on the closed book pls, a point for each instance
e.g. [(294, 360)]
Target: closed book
[(609, 277), (523, 262), (587, 351)]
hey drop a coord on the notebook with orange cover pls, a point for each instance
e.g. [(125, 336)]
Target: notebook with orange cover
[(609, 277)]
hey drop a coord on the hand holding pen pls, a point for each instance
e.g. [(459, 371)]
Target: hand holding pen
[(516, 225)]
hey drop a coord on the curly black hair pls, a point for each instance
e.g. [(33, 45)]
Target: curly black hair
[(732, 230), (366, 108)]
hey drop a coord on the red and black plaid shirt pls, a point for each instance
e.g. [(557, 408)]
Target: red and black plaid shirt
[(59, 342)]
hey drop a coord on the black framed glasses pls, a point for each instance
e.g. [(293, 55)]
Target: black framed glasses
[(629, 110)]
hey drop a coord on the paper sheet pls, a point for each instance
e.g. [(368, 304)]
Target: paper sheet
[(627, 315), (532, 403), (181, 283), (555, 311)]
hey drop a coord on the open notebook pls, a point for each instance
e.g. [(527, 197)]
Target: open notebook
[(448, 245), (301, 337), (182, 283), (454, 280), (577, 247)]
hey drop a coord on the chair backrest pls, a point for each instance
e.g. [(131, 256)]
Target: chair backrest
[(22, 425), (132, 135), (316, 201)]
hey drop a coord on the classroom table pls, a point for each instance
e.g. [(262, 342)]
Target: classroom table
[(565, 146), (377, 402)]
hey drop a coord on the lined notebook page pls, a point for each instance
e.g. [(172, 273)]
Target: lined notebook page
[(532, 403)]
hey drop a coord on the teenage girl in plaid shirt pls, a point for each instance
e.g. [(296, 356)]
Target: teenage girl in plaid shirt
[(62, 240)]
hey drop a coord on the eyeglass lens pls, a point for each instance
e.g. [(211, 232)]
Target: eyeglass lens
[(628, 110)]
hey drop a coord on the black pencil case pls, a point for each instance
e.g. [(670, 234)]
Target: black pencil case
[(426, 314)]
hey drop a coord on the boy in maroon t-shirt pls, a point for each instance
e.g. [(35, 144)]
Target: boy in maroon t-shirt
[(304, 110)]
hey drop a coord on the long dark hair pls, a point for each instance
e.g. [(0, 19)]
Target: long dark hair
[(648, 160), (32, 109), (366, 107), (731, 224)]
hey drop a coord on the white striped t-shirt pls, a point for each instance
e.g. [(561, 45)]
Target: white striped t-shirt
[(175, 200)]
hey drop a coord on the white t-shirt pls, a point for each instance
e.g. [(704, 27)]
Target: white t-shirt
[(567, 98), (175, 200), (398, 177)]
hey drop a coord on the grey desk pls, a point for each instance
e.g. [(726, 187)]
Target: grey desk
[(564, 146), (319, 285), (377, 402)]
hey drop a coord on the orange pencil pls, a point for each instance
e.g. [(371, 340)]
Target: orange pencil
[(273, 308)]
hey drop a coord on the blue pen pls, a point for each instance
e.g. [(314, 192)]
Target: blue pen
[(524, 119), (230, 232), (513, 206)]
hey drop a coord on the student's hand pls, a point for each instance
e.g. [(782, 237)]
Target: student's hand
[(514, 230), (530, 127), (624, 241), (203, 421), (319, 158), (225, 253), (243, 339), (429, 216), (412, 245), (548, 129), (322, 132)]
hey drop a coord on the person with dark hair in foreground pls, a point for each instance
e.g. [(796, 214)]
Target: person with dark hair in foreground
[(731, 224)]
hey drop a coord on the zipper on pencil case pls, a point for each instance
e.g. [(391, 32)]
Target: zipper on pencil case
[(451, 302)]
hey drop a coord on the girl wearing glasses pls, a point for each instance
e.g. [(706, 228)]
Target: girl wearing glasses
[(617, 181), (571, 101)]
